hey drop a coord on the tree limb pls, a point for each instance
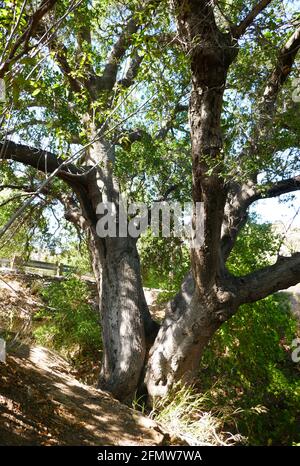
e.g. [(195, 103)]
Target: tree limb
[(13, 198), (282, 70), (29, 189), (108, 78), (239, 200), (73, 212), (283, 67), (235, 215), (16, 186), (24, 38), (131, 136), (42, 160), (123, 42), (241, 196), (84, 37), (75, 139), (261, 283), (132, 70), (276, 189), (62, 60), (239, 30), (49, 163)]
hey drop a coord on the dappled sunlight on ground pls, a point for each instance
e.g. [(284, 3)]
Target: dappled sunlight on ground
[(41, 403)]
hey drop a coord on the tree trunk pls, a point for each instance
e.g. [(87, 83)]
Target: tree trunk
[(127, 328), (123, 332), (192, 319), (200, 308)]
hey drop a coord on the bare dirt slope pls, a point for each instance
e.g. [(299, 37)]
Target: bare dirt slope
[(41, 403)]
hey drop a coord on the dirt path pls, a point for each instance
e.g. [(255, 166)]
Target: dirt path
[(41, 403)]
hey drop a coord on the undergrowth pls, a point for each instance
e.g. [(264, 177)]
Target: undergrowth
[(68, 322), (193, 417)]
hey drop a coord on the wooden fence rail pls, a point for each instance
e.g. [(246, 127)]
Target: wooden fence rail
[(16, 262)]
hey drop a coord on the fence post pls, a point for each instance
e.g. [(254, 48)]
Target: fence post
[(2, 350), (13, 262)]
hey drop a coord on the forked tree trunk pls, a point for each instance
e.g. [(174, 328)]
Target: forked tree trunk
[(191, 321), (127, 328), (199, 310)]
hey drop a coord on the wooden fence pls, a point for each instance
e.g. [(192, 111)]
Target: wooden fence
[(16, 263)]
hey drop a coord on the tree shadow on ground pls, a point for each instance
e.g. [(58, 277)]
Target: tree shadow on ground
[(41, 403)]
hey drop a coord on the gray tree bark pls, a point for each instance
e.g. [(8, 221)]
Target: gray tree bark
[(127, 327)]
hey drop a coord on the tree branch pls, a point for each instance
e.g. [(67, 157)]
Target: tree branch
[(283, 67), (108, 78), (14, 198), (44, 161), (282, 70), (83, 38), (49, 163), (16, 186), (261, 283), (123, 42), (127, 137), (239, 200), (73, 212), (74, 139), (61, 57), (33, 23), (241, 196), (235, 215), (131, 136), (29, 189), (132, 70), (276, 189), (239, 30), (169, 124)]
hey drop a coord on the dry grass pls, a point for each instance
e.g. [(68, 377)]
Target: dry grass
[(185, 413)]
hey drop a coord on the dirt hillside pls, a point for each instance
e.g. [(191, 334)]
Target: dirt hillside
[(41, 403)]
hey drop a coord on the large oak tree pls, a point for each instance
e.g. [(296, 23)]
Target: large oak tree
[(107, 93)]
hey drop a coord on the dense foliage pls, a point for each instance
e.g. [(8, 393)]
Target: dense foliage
[(247, 374), (164, 262), (248, 365), (70, 324)]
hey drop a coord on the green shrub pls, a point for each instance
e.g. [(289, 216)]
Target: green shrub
[(164, 262), (248, 366), (248, 363), (250, 383), (68, 321)]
